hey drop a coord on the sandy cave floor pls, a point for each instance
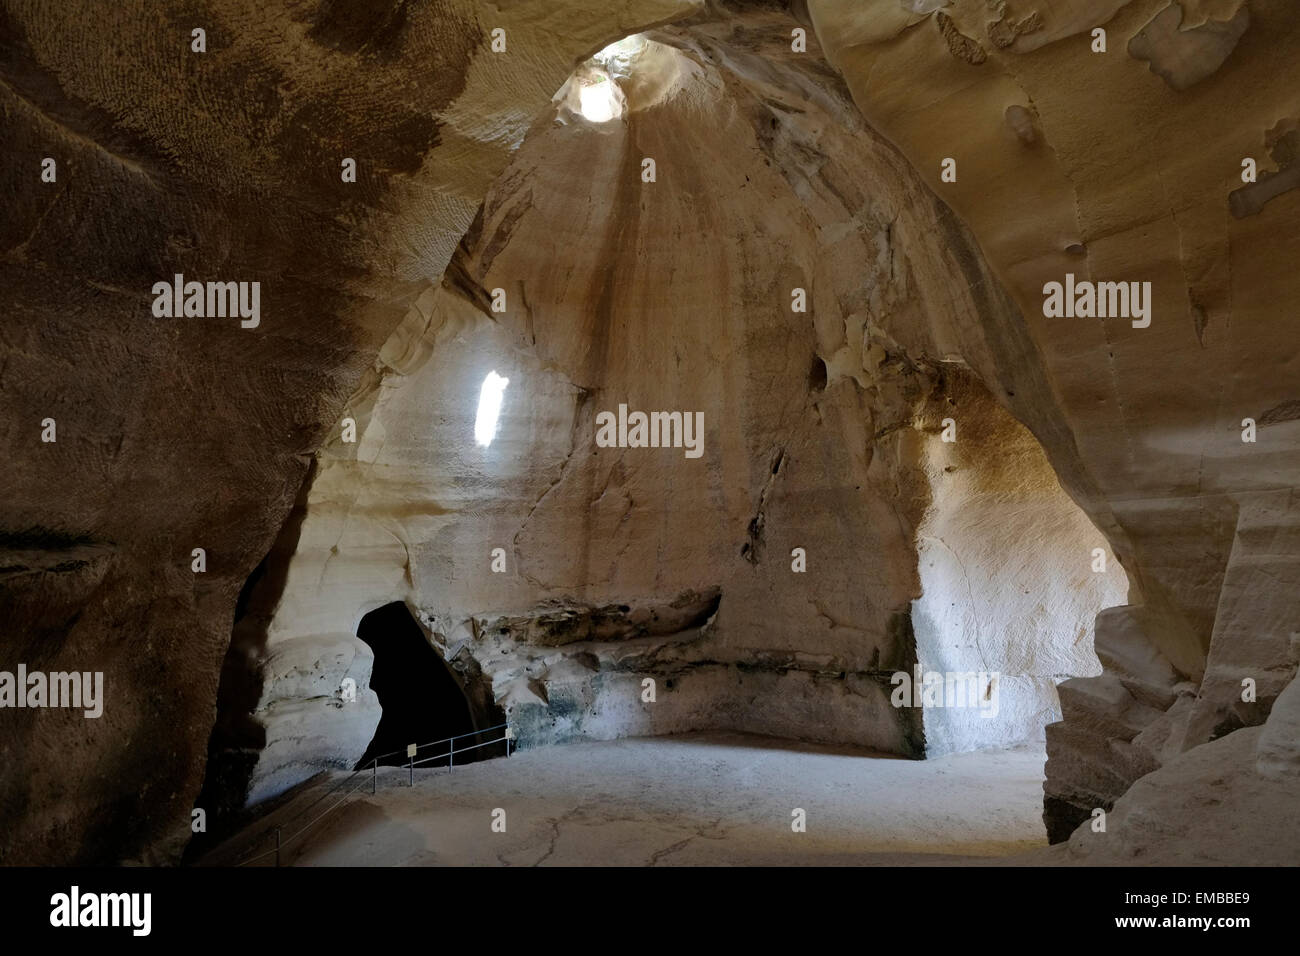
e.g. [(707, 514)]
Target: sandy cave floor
[(711, 799)]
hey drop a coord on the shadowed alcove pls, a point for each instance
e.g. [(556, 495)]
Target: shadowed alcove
[(421, 699)]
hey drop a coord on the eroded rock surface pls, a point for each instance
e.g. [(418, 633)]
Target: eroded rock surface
[(823, 432), (776, 170), (1232, 802), (1129, 181), (177, 434)]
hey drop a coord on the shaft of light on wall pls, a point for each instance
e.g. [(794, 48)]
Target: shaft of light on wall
[(599, 101), (489, 407)]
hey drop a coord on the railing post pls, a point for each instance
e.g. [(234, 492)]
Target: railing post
[(451, 755), (410, 755), (374, 776), (277, 846)]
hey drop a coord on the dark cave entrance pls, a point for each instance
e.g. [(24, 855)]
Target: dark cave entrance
[(421, 698)]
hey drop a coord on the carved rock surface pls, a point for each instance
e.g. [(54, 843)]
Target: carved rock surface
[(775, 171)]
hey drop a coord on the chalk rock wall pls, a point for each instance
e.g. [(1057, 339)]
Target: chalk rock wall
[(175, 434), (822, 432), (1127, 165), (1012, 576), (1232, 802)]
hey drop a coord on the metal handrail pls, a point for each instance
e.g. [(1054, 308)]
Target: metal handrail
[(444, 740), (486, 743), (373, 767), (281, 843), (414, 749)]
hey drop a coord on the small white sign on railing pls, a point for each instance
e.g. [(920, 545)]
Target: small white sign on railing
[(410, 750)]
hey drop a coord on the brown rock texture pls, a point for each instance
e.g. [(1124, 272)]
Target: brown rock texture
[(776, 170), (1129, 182), (822, 431), (177, 434)]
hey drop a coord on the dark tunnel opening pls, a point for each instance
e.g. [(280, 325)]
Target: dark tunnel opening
[(421, 699)]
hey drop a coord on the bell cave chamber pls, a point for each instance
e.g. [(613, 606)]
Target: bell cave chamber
[(745, 433)]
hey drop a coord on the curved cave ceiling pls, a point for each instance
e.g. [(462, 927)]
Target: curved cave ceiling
[(842, 259)]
